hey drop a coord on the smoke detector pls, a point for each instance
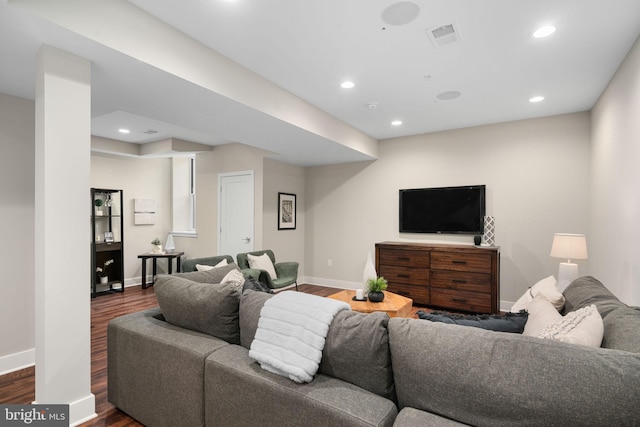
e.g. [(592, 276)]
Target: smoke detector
[(443, 34)]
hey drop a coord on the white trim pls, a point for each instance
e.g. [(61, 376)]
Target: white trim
[(17, 361), (331, 283), (506, 305)]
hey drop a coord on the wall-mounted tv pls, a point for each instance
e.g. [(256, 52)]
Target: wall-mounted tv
[(445, 210)]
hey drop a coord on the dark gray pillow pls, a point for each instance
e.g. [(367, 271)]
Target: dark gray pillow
[(255, 285), (356, 348), (587, 290), (202, 307), (215, 275), (509, 322)]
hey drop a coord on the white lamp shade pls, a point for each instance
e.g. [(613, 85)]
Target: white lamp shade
[(569, 246)]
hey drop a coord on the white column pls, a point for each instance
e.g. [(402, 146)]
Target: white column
[(62, 260)]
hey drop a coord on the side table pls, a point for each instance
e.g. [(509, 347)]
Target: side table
[(154, 258)]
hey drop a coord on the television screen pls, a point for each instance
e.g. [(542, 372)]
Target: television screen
[(446, 210)]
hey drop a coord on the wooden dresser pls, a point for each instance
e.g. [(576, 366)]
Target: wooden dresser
[(452, 277)]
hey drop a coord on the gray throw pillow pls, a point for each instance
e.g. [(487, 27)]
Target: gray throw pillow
[(215, 275), (202, 307), (356, 350), (621, 328), (251, 303)]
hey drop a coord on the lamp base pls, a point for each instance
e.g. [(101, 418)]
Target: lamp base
[(567, 273)]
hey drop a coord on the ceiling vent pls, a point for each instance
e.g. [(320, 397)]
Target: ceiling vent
[(443, 34)]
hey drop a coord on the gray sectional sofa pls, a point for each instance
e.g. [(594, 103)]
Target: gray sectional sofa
[(375, 371)]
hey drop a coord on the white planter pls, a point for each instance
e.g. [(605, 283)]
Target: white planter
[(156, 249), (104, 279)]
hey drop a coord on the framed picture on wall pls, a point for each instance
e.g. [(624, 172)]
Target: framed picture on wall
[(286, 211)]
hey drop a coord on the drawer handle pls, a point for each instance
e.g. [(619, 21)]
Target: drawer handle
[(403, 258), (459, 281), (404, 276), (457, 261), (458, 300)]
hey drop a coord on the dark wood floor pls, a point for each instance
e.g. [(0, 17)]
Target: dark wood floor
[(19, 387)]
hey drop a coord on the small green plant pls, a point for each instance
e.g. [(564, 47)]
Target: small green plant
[(98, 202), (156, 241), (377, 285)]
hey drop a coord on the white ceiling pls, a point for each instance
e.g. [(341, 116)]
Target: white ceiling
[(309, 47)]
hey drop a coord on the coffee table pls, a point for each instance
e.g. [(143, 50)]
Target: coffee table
[(393, 304)]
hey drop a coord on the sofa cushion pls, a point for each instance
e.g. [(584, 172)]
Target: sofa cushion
[(411, 417), (582, 327), (215, 275), (621, 328), (509, 322), (356, 348), (487, 378), (588, 290), (542, 314), (205, 267), (202, 307), (546, 287)]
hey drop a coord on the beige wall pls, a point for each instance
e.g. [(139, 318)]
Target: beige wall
[(615, 208), (537, 177), (17, 250), (138, 178)]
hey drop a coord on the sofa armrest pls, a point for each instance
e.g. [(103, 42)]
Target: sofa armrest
[(155, 369), (489, 378), (286, 269)]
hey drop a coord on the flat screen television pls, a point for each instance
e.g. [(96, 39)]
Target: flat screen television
[(445, 210)]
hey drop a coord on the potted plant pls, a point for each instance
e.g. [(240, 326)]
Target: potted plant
[(98, 203), (102, 271), (157, 246), (376, 286)]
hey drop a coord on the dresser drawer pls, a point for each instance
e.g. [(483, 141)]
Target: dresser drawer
[(461, 300), (403, 258), (461, 280), (461, 261), (408, 275), (419, 294)]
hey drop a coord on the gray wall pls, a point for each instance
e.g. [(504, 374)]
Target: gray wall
[(537, 177)]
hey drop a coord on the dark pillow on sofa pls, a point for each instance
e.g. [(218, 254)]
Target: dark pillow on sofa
[(208, 308), (509, 322), (254, 285)]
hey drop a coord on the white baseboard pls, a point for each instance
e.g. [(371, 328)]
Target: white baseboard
[(16, 361), (330, 283)]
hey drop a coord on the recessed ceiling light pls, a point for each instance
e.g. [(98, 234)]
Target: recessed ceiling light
[(347, 85), (447, 96), (124, 130), (536, 99), (544, 31), (396, 122)]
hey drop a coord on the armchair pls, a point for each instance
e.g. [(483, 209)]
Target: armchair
[(286, 272)]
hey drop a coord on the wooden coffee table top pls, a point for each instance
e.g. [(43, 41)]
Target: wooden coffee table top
[(393, 304)]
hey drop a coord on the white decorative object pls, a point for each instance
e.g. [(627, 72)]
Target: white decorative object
[(104, 279), (359, 294), (368, 273), (489, 236), (169, 245), (569, 246)]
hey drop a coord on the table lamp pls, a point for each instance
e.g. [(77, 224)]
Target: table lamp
[(568, 246)]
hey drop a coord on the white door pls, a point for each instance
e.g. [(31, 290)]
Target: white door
[(235, 213)]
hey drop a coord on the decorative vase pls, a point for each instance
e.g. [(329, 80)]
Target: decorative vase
[(156, 249), (489, 236), (376, 296), (170, 245), (104, 279), (368, 273)]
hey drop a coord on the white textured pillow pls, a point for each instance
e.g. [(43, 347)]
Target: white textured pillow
[(262, 262), (235, 279), (541, 315), (548, 288), (204, 267), (583, 326)]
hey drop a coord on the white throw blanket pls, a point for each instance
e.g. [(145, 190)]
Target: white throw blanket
[(291, 333)]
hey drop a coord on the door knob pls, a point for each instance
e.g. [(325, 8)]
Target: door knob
[(247, 239)]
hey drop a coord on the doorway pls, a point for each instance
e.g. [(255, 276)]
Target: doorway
[(235, 230)]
